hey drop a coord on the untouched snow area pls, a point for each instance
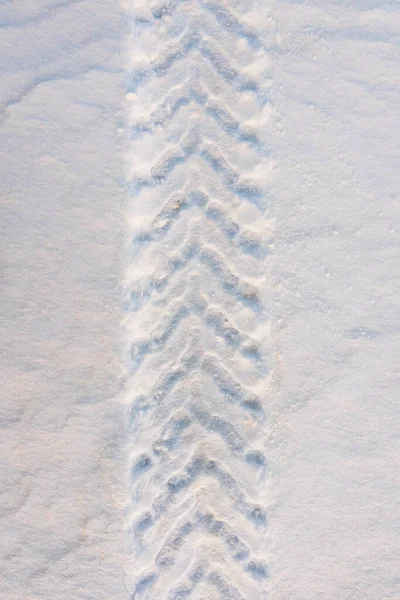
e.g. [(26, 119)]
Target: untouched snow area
[(335, 521), (230, 169), (61, 224)]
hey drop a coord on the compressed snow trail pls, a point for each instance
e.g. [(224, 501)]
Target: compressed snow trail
[(199, 356)]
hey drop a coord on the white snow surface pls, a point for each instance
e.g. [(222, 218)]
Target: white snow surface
[(335, 456), (60, 259), (307, 275)]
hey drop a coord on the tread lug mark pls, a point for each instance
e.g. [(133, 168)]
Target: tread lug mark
[(198, 359)]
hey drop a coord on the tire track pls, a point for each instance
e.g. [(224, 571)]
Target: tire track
[(193, 92), (198, 354)]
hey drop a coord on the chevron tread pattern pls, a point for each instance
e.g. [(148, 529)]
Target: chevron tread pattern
[(199, 361)]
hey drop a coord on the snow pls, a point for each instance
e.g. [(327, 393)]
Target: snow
[(291, 302), (335, 521), (61, 225)]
